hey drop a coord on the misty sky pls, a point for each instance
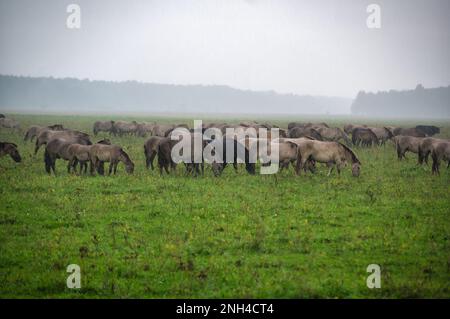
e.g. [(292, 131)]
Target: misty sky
[(303, 47)]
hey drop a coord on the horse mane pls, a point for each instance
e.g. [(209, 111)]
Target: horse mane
[(352, 154), (3, 144), (122, 152)]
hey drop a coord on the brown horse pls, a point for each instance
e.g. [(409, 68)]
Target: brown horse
[(79, 153), (405, 144), (10, 149), (100, 153), (151, 150), (383, 134), (330, 153), (103, 126), (426, 146), (165, 155)]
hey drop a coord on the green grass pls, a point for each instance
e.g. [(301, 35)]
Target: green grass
[(237, 236)]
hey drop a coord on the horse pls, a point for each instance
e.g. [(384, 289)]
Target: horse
[(9, 123), (382, 133), (106, 126), (165, 155), (79, 153), (330, 153), (441, 151), (404, 144), (122, 127), (364, 137), (57, 148), (10, 149), (101, 153), (426, 146), (151, 150), (144, 128), (428, 130)]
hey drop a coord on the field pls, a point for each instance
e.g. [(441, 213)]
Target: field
[(236, 236)]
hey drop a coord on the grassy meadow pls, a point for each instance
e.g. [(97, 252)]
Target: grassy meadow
[(236, 236)]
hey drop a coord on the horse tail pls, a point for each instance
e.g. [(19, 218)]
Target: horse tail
[(349, 151)]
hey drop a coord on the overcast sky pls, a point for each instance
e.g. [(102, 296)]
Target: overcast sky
[(303, 47)]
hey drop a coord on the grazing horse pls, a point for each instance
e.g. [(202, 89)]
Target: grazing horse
[(441, 151), (57, 148), (404, 144), (10, 149), (330, 153), (79, 153), (100, 153)]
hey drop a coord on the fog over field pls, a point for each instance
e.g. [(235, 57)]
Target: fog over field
[(234, 56)]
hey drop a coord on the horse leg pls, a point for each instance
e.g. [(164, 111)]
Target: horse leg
[(152, 157), (110, 167), (92, 166), (331, 166), (115, 167), (53, 166)]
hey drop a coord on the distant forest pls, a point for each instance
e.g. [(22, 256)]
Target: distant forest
[(421, 102), (41, 94)]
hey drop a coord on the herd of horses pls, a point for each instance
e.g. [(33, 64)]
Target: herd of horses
[(301, 145)]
